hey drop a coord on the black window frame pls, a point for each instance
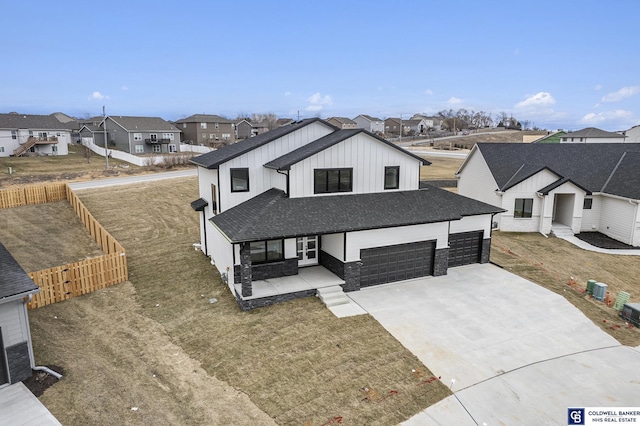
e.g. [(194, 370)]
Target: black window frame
[(265, 250), (520, 209), (322, 183), (587, 204), (395, 185), (244, 170)]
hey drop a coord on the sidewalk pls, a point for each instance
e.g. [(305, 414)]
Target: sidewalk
[(586, 246)]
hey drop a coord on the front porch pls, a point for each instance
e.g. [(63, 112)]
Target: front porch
[(308, 280)]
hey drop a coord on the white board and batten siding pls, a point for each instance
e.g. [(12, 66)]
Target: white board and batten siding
[(618, 219), (14, 323), (591, 217), (333, 244), (368, 158), (359, 240), (472, 223), (262, 179), (220, 251), (477, 182)]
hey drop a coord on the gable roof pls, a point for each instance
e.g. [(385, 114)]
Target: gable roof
[(368, 117), (343, 120), (143, 124), (213, 159), (592, 132), (204, 118), (613, 168), (16, 121), (287, 160), (272, 215), (14, 281)]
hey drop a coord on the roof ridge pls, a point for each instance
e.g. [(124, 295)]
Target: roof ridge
[(613, 172)]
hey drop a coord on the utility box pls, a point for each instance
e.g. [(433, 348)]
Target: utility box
[(599, 291), (631, 313)]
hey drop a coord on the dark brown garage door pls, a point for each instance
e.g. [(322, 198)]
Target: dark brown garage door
[(465, 248), (396, 263)]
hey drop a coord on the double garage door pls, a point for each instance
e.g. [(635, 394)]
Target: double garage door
[(400, 262), (396, 263)]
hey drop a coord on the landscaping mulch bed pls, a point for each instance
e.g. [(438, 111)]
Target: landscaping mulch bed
[(40, 380), (600, 240)]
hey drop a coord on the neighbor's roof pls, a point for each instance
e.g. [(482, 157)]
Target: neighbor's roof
[(613, 168), (370, 118), (37, 122), (343, 120), (213, 159), (592, 132), (272, 215), (143, 124), (204, 118), (287, 160), (13, 279)]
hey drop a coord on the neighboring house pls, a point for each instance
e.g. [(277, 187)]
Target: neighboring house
[(345, 202), (543, 187), (33, 134), (415, 126), (552, 137), (432, 123), (342, 123), (592, 135), (141, 135), (16, 352), (633, 135), (370, 124), (92, 133), (283, 122), (243, 129), (207, 130), (392, 127)]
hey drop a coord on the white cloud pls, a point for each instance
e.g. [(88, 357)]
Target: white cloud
[(428, 92), (540, 99), (625, 92), (606, 116), (598, 87), (454, 101), (97, 96), (287, 93), (318, 101)]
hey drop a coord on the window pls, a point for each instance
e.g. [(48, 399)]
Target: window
[(1, 148), (214, 199), (14, 135), (226, 136), (153, 137), (266, 251), (157, 148), (217, 126), (332, 180), (204, 136), (239, 180), (172, 148), (523, 207), (137, 136), (203, 125), (564, 139), (184, 125), (139, 149), (167, 136), (212, 136), (42, 135), (588, 203), (392, 177), (54, 149)]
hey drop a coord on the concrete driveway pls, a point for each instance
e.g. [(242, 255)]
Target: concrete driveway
[(517, 353)]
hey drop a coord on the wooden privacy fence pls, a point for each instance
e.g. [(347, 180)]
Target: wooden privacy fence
[(74, 279)]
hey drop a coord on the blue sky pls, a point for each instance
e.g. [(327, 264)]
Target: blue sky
[(560, 64)]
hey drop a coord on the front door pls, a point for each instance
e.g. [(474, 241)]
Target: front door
[(307, 248)]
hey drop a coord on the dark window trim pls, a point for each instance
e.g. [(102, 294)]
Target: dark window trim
[(397, 183), (242, 169), (523, 208), (587, 204), (266, 252), (326, 180)]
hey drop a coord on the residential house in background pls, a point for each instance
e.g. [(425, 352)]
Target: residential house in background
[(16, 351), (29, 134), (139, 135), (632, 135), (330, 207), (244, 129), (592, 135), (558, 187), (392, 127), (370, 124), (342, 122), (415, 126), (431, 123), (207, 130)]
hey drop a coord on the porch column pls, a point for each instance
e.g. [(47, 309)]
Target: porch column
[(245, 269)]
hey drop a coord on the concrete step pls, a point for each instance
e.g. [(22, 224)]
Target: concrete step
[(333, 296), (562, 232)]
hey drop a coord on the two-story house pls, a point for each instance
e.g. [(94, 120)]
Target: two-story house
[(340, 205), (22, 134), (135, 135), (592, 135), (342, 122), (207, 130), (371, 124)]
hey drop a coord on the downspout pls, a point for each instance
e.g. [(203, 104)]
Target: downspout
[(204, 226), (286, 193), (33, 363)]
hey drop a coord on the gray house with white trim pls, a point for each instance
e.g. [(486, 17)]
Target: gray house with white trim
[(16, 351), (139, 135), (343, 201)]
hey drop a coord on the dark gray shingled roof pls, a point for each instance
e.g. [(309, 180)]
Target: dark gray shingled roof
[(30, 121), (205, 118), (286, 161), (13, 279), (271, 215), (592, 132), (141, 124), (588, 165), (213, 159)]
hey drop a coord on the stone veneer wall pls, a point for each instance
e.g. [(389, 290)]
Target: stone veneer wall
[(486, 250), (349, 271), (441, 262), (247, 305), (265, 271)]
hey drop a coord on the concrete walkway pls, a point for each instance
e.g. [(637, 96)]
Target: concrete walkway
[(19, 407), (128, 180), (512, 351), (586, 246)]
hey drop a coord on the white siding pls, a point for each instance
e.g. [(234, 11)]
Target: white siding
[(618, 219), (333, 244), (591, 217), (262, 179), (400, 235), (477, 182), (9, 144), (221, 253), (14, 323), (525, 189), (472, 223), (367, 156)]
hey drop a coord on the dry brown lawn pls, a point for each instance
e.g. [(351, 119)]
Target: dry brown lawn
[(440, 168), (294, 361)]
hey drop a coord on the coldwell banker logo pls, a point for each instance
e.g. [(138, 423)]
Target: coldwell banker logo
[(575, 416)]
